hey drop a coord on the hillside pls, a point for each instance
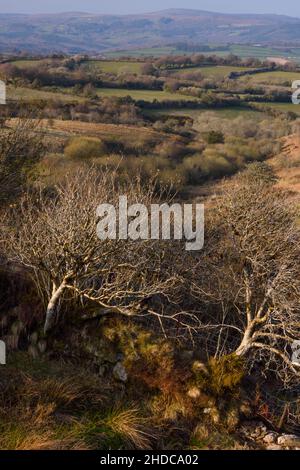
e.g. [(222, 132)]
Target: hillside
[(83, 32), (286, 165), (138, 344)]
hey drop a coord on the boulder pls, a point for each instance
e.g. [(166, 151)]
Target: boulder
[(194, 393), (289, 440), (254, 430), (120, 373), (199, 367), (270, 438)]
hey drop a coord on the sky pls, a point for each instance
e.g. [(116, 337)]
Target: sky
[(287, 7)]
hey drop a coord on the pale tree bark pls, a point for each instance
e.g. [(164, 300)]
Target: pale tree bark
[(53, 305)]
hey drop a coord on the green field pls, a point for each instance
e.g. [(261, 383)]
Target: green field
[(144, 52), (116, 67), (261, 52), (27, 63), (273, 78), (243, 51), (65, 94), (218, 71), (108, 66), (22, 93), (229, 113), (286, 107), (145, 95)]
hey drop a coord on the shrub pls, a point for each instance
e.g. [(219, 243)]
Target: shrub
[(214, 164), (171, 150), (173, 178), (259, 172), (21, 148), (223, 375), (130, 427), (89, 91), (148, 69), (214, 137), (83, 148)]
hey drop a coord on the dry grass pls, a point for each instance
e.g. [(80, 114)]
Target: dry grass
[(131, 426), (207, 437), (287, 165), (50, 390), (105, 131), (118, 132), (50, 407)]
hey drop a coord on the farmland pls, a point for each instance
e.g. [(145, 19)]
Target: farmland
[(215, 72), (242, 50), (108, 66), (115, 66), (185, 81), (64, 94), (263, 52), (28, 94), (144, 95), (286, 107), (143, 52), (27, 63), (122, 79), (229, 113), (274, 77)]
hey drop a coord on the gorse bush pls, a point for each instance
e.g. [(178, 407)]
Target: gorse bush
[(243, 126), (166, 172), (220, 160), (258, 173), (222, 375), (171, 150), (214, 137), (84, 148)]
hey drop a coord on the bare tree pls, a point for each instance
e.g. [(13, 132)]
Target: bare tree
[(252, 282), (56, 241)]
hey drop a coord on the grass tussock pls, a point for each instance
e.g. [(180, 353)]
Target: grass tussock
[(46, 406), (131, 426), (211, 438)]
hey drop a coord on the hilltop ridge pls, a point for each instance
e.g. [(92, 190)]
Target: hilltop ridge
[(77, 32)]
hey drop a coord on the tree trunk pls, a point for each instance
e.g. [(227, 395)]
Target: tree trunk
[(52, 306), (245, 343)]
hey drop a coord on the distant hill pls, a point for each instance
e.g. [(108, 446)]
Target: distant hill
[(77, 32)]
